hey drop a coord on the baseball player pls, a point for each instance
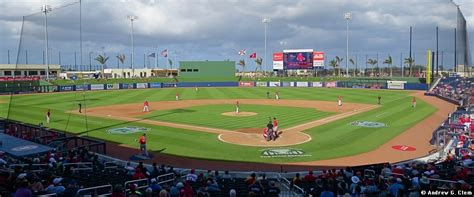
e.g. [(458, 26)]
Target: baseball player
[(48, 116), (379, 98), (237, 107), (339, 102), (277, 95), (142, 142), (413, 102), (275, 127), (271, 134), (146, 106), (80, 107), (177, 96), (195, 87)]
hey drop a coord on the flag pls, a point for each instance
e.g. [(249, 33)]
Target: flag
[(164, 53), (242, 52), (152, 55), (253, 55)]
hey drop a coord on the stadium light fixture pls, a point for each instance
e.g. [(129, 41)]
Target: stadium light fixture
[(132, 18), (46, 9), (348, 17), (265, 22)]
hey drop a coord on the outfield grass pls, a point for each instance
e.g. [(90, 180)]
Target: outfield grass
[(336, 139), (210, 116)]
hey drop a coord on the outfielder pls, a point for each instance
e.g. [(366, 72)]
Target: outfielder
[(146, 106), (48, 116), (413, 102), (237, 107)]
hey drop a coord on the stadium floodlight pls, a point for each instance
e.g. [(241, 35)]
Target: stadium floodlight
[(132, 18), (265, 22), (46, 9), (348, 17)]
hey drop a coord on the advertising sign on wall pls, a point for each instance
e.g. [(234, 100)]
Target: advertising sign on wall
[(246, 84), (274, 84), (127, 86), (278, 61), (142, 85), (155, 85), (66, 88), (169, 85), (397, 85), (317, 84), (97, 86), (286, 84), (261, 84), (330, 84), (302, 84), (114, 86), (82, 87)]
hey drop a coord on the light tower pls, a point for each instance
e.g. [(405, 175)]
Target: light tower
[(348, 17)]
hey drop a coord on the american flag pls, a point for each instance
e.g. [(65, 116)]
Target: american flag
[(164, 53), (242, 52)]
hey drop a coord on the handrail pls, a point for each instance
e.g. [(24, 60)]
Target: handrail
[(173, 177), (78, 193), (136, 181), (279, 177), (80, 164)]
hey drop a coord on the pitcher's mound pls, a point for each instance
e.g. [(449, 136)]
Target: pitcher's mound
[(239, 114)]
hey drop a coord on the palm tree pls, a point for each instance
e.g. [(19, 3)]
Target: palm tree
[(353, 64), (388, 61), (102, 59), (171, 65), (410, 61), (242, 64), (372, 62), (333, 63), (258, 61), (121, 58), (338, 61)]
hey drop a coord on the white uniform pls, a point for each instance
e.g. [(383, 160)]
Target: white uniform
[(145, 108), (277, 97)]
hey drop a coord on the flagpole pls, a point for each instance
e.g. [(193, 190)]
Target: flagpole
[(156, 59)]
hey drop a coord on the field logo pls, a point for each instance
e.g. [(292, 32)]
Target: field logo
[(368, 124), (283, 152), (127, 130)]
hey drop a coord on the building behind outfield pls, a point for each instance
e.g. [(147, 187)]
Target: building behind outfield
[(200, 69)]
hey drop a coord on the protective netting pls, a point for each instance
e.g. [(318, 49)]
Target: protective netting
[(63, 34)]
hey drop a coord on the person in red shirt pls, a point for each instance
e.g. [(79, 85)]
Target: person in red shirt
[(177, 96), (146, 106), (275, 127), (309, 178), (142, 142), (413, 102)]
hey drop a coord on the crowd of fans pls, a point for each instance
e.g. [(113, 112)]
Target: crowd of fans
[(455, 88)]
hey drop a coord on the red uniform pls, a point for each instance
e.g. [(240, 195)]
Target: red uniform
[(142, 140), (146, 103)]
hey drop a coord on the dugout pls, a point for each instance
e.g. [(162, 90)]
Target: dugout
[(207, 69)]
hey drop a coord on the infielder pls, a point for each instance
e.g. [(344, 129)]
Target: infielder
[(277, 95), (177, 96), (146, 106), (339, 102), (413, 102), (237, 107)]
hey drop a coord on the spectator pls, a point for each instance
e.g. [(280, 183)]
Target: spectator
[(296, 180), (56, 187), (251, 179), (396, 187), (232, 193), (71, 189), (355, 182), (191, 176), (272, 189), (163, 193), (154, 185), (118, 191), (188, 190), (22, 189), (309, 178), (227, 176)]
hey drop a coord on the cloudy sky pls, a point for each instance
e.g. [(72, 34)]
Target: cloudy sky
[(218, 29)]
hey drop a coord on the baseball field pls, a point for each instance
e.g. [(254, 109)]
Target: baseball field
[(203, 123)]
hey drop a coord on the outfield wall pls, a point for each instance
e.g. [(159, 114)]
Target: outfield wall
[(300, 84)]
